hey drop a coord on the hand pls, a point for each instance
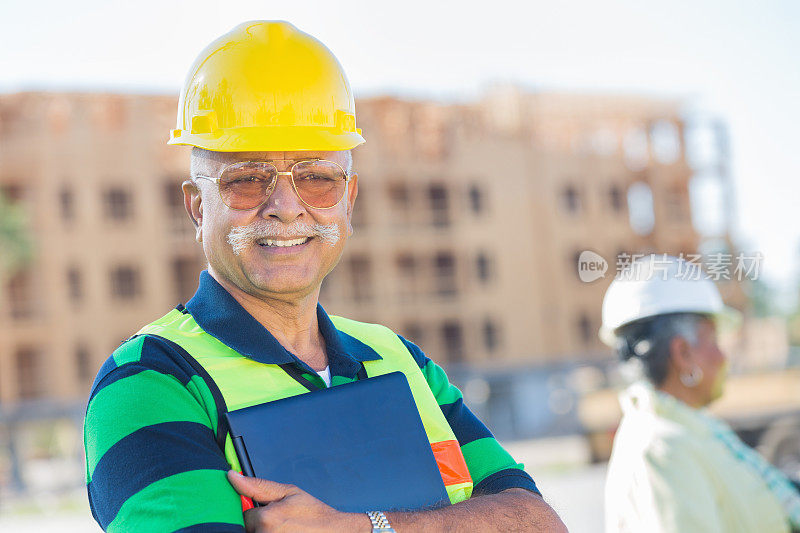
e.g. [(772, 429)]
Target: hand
[(287, 508)]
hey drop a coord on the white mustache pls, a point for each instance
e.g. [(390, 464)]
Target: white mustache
[(242, 237)]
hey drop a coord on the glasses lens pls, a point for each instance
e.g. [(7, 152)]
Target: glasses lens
[(247, 185), (319, 183)]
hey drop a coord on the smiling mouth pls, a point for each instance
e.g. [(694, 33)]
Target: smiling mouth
[(282, 243)]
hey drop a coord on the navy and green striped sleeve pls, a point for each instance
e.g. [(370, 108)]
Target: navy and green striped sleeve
[(491, 467), (152, 460)]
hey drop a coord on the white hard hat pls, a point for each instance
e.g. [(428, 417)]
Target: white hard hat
[(657, 285)]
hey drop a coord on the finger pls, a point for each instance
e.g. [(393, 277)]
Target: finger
[(260, 490), (253, 519), (263, 519)]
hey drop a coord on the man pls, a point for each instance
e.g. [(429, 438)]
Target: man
[(272, 121)]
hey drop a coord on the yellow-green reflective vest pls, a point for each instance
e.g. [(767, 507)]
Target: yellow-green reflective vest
[(244, 382)]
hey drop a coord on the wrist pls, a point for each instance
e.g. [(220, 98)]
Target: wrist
[(359, 522)]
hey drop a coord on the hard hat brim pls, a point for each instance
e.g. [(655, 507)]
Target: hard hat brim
[(270, 139)]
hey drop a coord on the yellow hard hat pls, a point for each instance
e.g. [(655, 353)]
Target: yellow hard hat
[(266, 86)]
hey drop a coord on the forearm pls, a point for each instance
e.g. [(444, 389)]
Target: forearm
[(510, 510)]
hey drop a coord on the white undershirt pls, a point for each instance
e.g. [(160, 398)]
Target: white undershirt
[(326, 375)]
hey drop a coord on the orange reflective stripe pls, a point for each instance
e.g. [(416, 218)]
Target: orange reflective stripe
[(451, 462), (247, 503)]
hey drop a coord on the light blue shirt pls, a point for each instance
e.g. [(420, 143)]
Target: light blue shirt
[(669, 473)]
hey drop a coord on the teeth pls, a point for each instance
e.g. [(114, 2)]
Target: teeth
[(274, 242)]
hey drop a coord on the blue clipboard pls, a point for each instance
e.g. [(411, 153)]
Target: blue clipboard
[(357, 447)]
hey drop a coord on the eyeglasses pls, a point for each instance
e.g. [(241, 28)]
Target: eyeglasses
[(319, 183)]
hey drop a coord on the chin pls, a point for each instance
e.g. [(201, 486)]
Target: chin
[(717, 394), (279, 283), (718, 386)]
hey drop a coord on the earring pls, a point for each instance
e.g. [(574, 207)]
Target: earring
[(693, 378)]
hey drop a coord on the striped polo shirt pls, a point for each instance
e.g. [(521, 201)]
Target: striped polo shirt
[(151, 434)]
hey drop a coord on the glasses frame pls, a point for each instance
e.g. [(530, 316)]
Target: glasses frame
[(279, 173)]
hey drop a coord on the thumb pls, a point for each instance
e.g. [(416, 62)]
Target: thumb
[(260, 490)]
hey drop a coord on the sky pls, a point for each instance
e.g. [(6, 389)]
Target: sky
[(737, 60)]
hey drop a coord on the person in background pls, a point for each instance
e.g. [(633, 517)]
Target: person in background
[(674, 467)]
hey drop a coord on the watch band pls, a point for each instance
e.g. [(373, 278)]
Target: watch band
[(380, 524)]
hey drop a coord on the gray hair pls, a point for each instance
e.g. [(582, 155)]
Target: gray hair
[(646, 342), (199, 161)]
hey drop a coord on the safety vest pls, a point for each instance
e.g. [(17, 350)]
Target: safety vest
[(243, 382)]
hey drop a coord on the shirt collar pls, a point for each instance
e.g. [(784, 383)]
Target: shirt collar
[(220, 315), (641, 398)]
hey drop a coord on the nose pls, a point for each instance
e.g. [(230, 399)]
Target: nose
[(283, 203)]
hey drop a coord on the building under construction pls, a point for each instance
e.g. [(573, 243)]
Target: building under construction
[(468, 226)]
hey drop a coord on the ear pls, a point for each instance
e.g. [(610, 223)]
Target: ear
[(193, 202), (352, 193), (680, 355)]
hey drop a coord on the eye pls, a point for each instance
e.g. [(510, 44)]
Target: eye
[(248, 179), (316, 177)]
